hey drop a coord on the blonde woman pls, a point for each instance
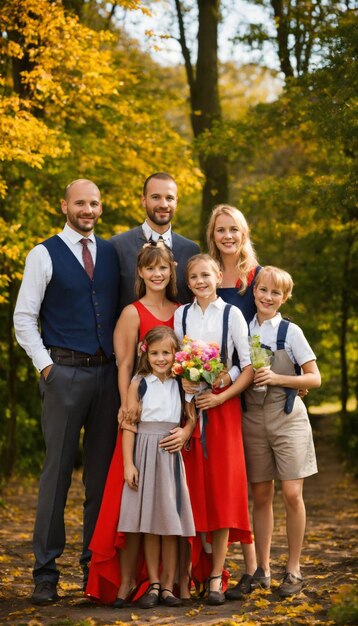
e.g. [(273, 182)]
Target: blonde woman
[(228, 237)]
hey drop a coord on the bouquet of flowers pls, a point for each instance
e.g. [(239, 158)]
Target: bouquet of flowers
[(260, 357), (197, 361)]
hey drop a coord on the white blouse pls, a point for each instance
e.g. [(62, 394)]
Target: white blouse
[(161, 401), (208, 326)]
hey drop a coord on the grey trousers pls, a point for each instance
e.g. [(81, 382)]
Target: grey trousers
[(73, 397)]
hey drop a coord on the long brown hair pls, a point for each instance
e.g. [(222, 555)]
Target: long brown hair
[(247, 259), (158, 333), (152, 254)]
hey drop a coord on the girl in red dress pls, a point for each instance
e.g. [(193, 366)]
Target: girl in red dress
[(116, 568), (215, 463)]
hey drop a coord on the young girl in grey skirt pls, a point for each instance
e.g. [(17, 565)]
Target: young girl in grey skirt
[(155, 499)]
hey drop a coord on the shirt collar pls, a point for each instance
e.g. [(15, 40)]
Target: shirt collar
[(218, 303), (74, 237), (149, 233), (274, 321), (152, 378)]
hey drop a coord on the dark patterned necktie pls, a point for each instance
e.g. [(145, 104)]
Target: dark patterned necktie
[(87, 258)]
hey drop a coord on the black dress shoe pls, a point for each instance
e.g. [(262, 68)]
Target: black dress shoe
[(45, 593), (170, 599), (243, 588), (150, 599), (120, 603)]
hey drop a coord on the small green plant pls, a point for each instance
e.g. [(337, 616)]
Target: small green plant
[(345, 609)]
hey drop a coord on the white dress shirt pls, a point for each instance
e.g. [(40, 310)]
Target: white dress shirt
[(208, 326), (296, 344), (37, 275), (149, 233), (161, 401)]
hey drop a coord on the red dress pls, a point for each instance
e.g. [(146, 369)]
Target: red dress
[(216, 477), (104, 573)]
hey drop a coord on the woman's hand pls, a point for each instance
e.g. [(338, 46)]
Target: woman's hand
[(207, 400), (121, 414), (222, 380), (131, 476), (175, 441), (132, 413)]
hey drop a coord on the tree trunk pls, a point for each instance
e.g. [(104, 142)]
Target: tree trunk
[(282, 27), (205, 102), (345, 307), (8, 452)]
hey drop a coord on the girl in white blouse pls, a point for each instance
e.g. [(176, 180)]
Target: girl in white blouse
[(215, 462)]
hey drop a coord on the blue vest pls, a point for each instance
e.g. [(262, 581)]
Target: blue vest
[(77, 313)]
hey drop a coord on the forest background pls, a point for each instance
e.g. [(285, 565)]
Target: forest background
[(81, 96)]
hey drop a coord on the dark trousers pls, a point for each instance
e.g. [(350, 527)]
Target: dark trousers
[(73, 397)]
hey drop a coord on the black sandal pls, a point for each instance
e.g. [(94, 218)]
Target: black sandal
[(150, 599), (216, 597), (171, 600)]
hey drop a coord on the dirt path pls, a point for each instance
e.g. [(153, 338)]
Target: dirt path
[(329, 562)]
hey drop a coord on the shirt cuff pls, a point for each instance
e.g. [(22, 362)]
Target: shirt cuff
[(41, 360), (234, 373)]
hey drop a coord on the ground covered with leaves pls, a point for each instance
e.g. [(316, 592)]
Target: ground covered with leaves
[(329, 561)]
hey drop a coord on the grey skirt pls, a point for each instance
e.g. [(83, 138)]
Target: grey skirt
[(161, 505)]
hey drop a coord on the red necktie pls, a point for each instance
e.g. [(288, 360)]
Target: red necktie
[(87, 258)]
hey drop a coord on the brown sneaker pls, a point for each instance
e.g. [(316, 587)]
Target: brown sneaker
[(290, 585)]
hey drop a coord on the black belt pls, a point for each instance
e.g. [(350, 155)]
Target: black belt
[(63, 356)]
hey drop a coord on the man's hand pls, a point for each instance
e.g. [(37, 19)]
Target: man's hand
[(46, 370)]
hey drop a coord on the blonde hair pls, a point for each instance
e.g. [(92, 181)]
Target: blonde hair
[(247, 259), (153, 255), (201, 257), (158, 333), (281, 279)]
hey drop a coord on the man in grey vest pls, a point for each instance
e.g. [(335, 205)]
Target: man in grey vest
[(70, 286), (159, 199)]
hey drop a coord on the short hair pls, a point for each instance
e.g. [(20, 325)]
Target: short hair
[(152, 255), (202, 256), (78, 180), (281, 278), (160, 176), (247, 259), (158, 333)]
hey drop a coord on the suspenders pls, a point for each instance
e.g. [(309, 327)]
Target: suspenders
[(142, 388), (223, 355), (280, 345), (223, 351)]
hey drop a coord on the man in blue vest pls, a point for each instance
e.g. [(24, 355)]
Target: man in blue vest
[(70, 286)]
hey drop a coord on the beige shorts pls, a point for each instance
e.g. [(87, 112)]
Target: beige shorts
[(278, 445)]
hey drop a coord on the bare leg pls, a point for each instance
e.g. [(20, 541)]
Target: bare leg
[(170, 547), (249, 554), (152, 556), (219, 546), (263, 522), (184, 567), (295, 522), (128, 561)]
